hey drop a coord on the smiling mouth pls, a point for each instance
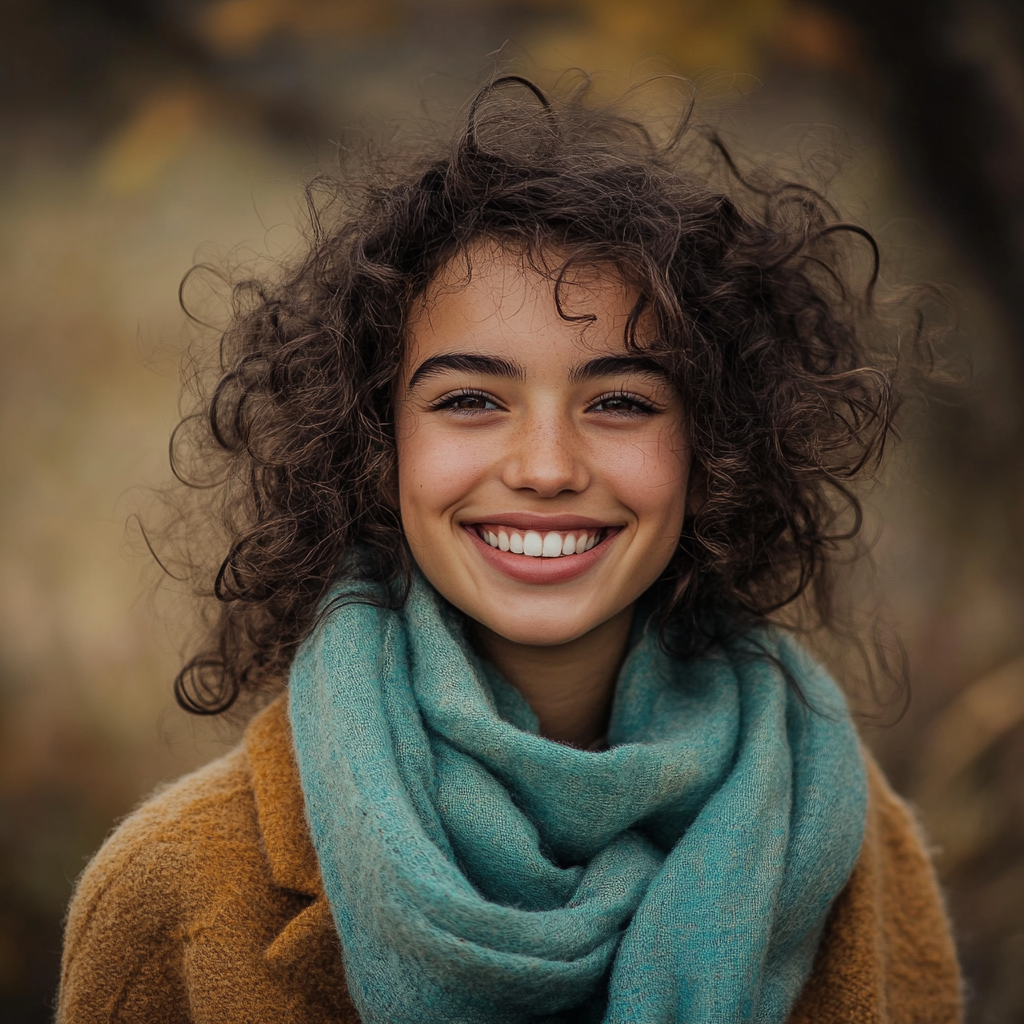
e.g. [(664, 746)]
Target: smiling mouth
[(542, 544)]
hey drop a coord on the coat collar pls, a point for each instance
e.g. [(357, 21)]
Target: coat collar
[(308, 941), (280, 806)]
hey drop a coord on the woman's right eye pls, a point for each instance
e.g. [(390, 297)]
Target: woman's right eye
[(466, 401)]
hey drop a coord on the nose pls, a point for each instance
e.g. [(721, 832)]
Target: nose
[(546, 455)]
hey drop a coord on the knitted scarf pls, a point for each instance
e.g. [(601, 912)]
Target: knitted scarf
[(480, 873)]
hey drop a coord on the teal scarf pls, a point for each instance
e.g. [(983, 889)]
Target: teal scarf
[(480, 873)]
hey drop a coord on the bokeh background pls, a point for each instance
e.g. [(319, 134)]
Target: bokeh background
[(137, 136)]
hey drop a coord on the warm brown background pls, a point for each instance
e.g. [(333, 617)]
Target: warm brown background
[(138, 134)]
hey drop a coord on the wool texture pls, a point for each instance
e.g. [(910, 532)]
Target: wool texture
[(206, 906), (480, 873)]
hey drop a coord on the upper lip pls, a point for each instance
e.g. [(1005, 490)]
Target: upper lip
[(539, 521)]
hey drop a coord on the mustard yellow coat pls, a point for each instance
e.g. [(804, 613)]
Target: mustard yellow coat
[(206, 905)]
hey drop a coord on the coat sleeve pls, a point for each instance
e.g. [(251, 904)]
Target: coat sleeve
[(887, 956)]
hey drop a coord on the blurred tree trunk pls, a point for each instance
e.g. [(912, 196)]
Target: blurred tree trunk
[(952, 95)]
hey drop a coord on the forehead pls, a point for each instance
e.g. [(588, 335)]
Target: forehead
[(497, 293)]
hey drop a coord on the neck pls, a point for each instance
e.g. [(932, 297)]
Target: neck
[(569, 686)]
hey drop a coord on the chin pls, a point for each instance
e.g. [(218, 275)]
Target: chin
[(533, 630)]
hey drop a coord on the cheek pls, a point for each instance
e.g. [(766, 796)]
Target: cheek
[(435, 471), (649, 475)]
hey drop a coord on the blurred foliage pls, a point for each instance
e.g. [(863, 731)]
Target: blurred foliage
[(134, 131), (234, 27)]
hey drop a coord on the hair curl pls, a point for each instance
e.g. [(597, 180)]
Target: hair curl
[(747, 282)]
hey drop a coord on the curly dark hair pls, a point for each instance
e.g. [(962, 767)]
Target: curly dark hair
[(775, 353)]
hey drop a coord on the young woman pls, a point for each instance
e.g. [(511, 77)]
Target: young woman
[(516, 464)]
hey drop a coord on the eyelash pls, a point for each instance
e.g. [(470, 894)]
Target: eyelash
[(641, 407)]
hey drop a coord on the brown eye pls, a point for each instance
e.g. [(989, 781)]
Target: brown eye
[(623, 405), (466, 401), (618, 405), (471, 402)]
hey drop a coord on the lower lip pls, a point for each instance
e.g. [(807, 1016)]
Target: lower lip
[(528, 569)]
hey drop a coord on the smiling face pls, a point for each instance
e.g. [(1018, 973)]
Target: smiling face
[(542, 466)]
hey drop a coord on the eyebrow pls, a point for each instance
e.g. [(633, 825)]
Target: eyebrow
[(494, 366), (466, 362), (607, 366)]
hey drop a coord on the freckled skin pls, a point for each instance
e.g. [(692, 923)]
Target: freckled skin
[(545, 443)]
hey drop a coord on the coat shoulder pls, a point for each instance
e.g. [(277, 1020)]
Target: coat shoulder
[(887, 955), (164, 846), (918, 938), (136, 901), (205, 905)]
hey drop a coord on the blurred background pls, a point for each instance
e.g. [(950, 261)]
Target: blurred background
[(137, 136)]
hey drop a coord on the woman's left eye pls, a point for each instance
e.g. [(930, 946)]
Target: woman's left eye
[(623, 405)]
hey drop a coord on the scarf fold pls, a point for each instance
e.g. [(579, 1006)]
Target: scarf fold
[(479, 873)]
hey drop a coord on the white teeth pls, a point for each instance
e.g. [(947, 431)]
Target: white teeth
[(552, 546), (532, 544)]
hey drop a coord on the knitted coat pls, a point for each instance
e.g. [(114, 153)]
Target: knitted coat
[(206, 905)]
